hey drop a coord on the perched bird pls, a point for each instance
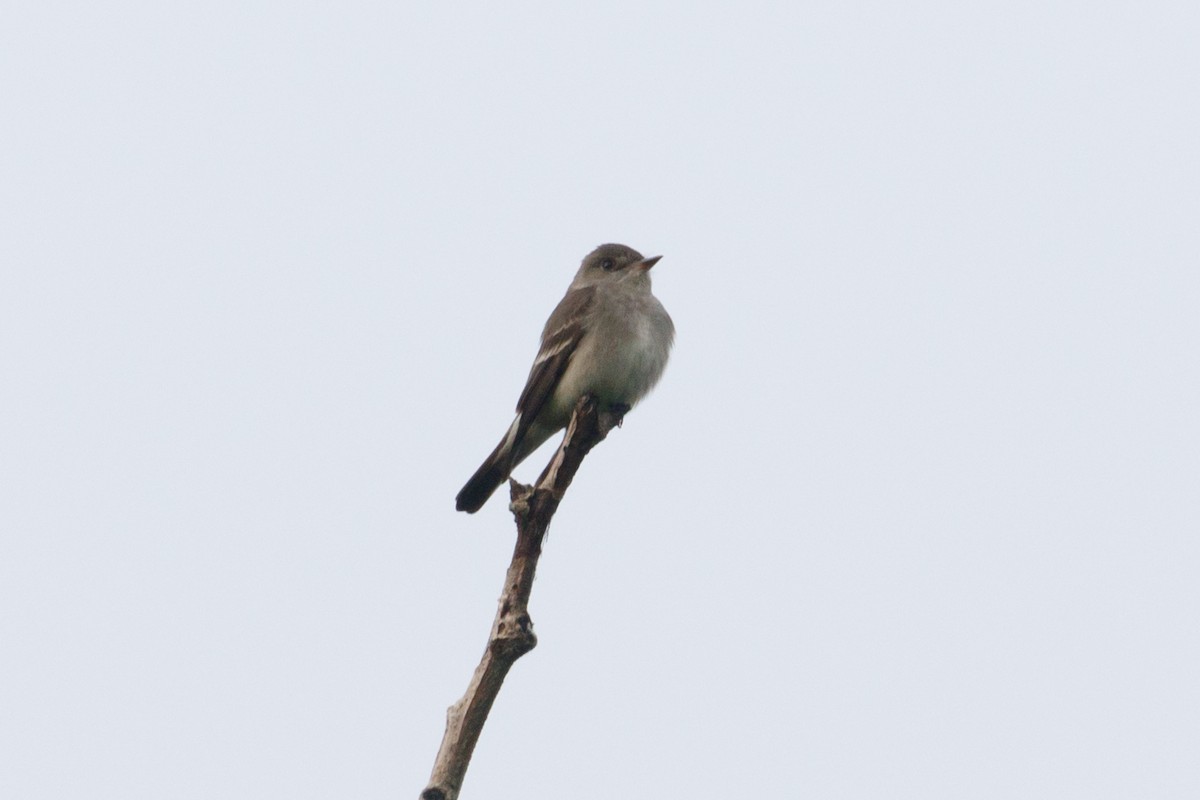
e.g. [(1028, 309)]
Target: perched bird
[(608, 337)]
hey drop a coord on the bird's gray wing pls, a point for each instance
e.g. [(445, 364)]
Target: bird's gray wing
[(560, 339)]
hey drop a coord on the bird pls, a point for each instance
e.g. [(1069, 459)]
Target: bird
[(609, 337)]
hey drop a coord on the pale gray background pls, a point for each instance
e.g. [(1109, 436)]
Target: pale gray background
[(913, 514)]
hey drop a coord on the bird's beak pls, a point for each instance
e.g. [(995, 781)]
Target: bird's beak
[(646, 263)]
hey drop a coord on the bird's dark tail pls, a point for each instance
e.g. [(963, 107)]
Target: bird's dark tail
[(493, 472)]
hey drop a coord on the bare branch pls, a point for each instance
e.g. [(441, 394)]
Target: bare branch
[(512, 631)]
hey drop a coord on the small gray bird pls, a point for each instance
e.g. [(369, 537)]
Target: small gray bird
[(608, 337)]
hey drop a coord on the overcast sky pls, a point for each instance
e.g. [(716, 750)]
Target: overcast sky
[(914, 512)]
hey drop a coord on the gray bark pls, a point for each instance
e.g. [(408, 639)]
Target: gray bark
[(512, 630)]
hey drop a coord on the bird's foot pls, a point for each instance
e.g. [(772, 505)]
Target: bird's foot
[(619, 410)]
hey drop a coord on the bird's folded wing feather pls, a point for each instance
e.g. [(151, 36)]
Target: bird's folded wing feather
[(560, 340)]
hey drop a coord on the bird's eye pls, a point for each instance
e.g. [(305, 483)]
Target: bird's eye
[(607, 265)]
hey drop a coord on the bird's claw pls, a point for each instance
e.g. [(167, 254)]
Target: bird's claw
[(619, 410)]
